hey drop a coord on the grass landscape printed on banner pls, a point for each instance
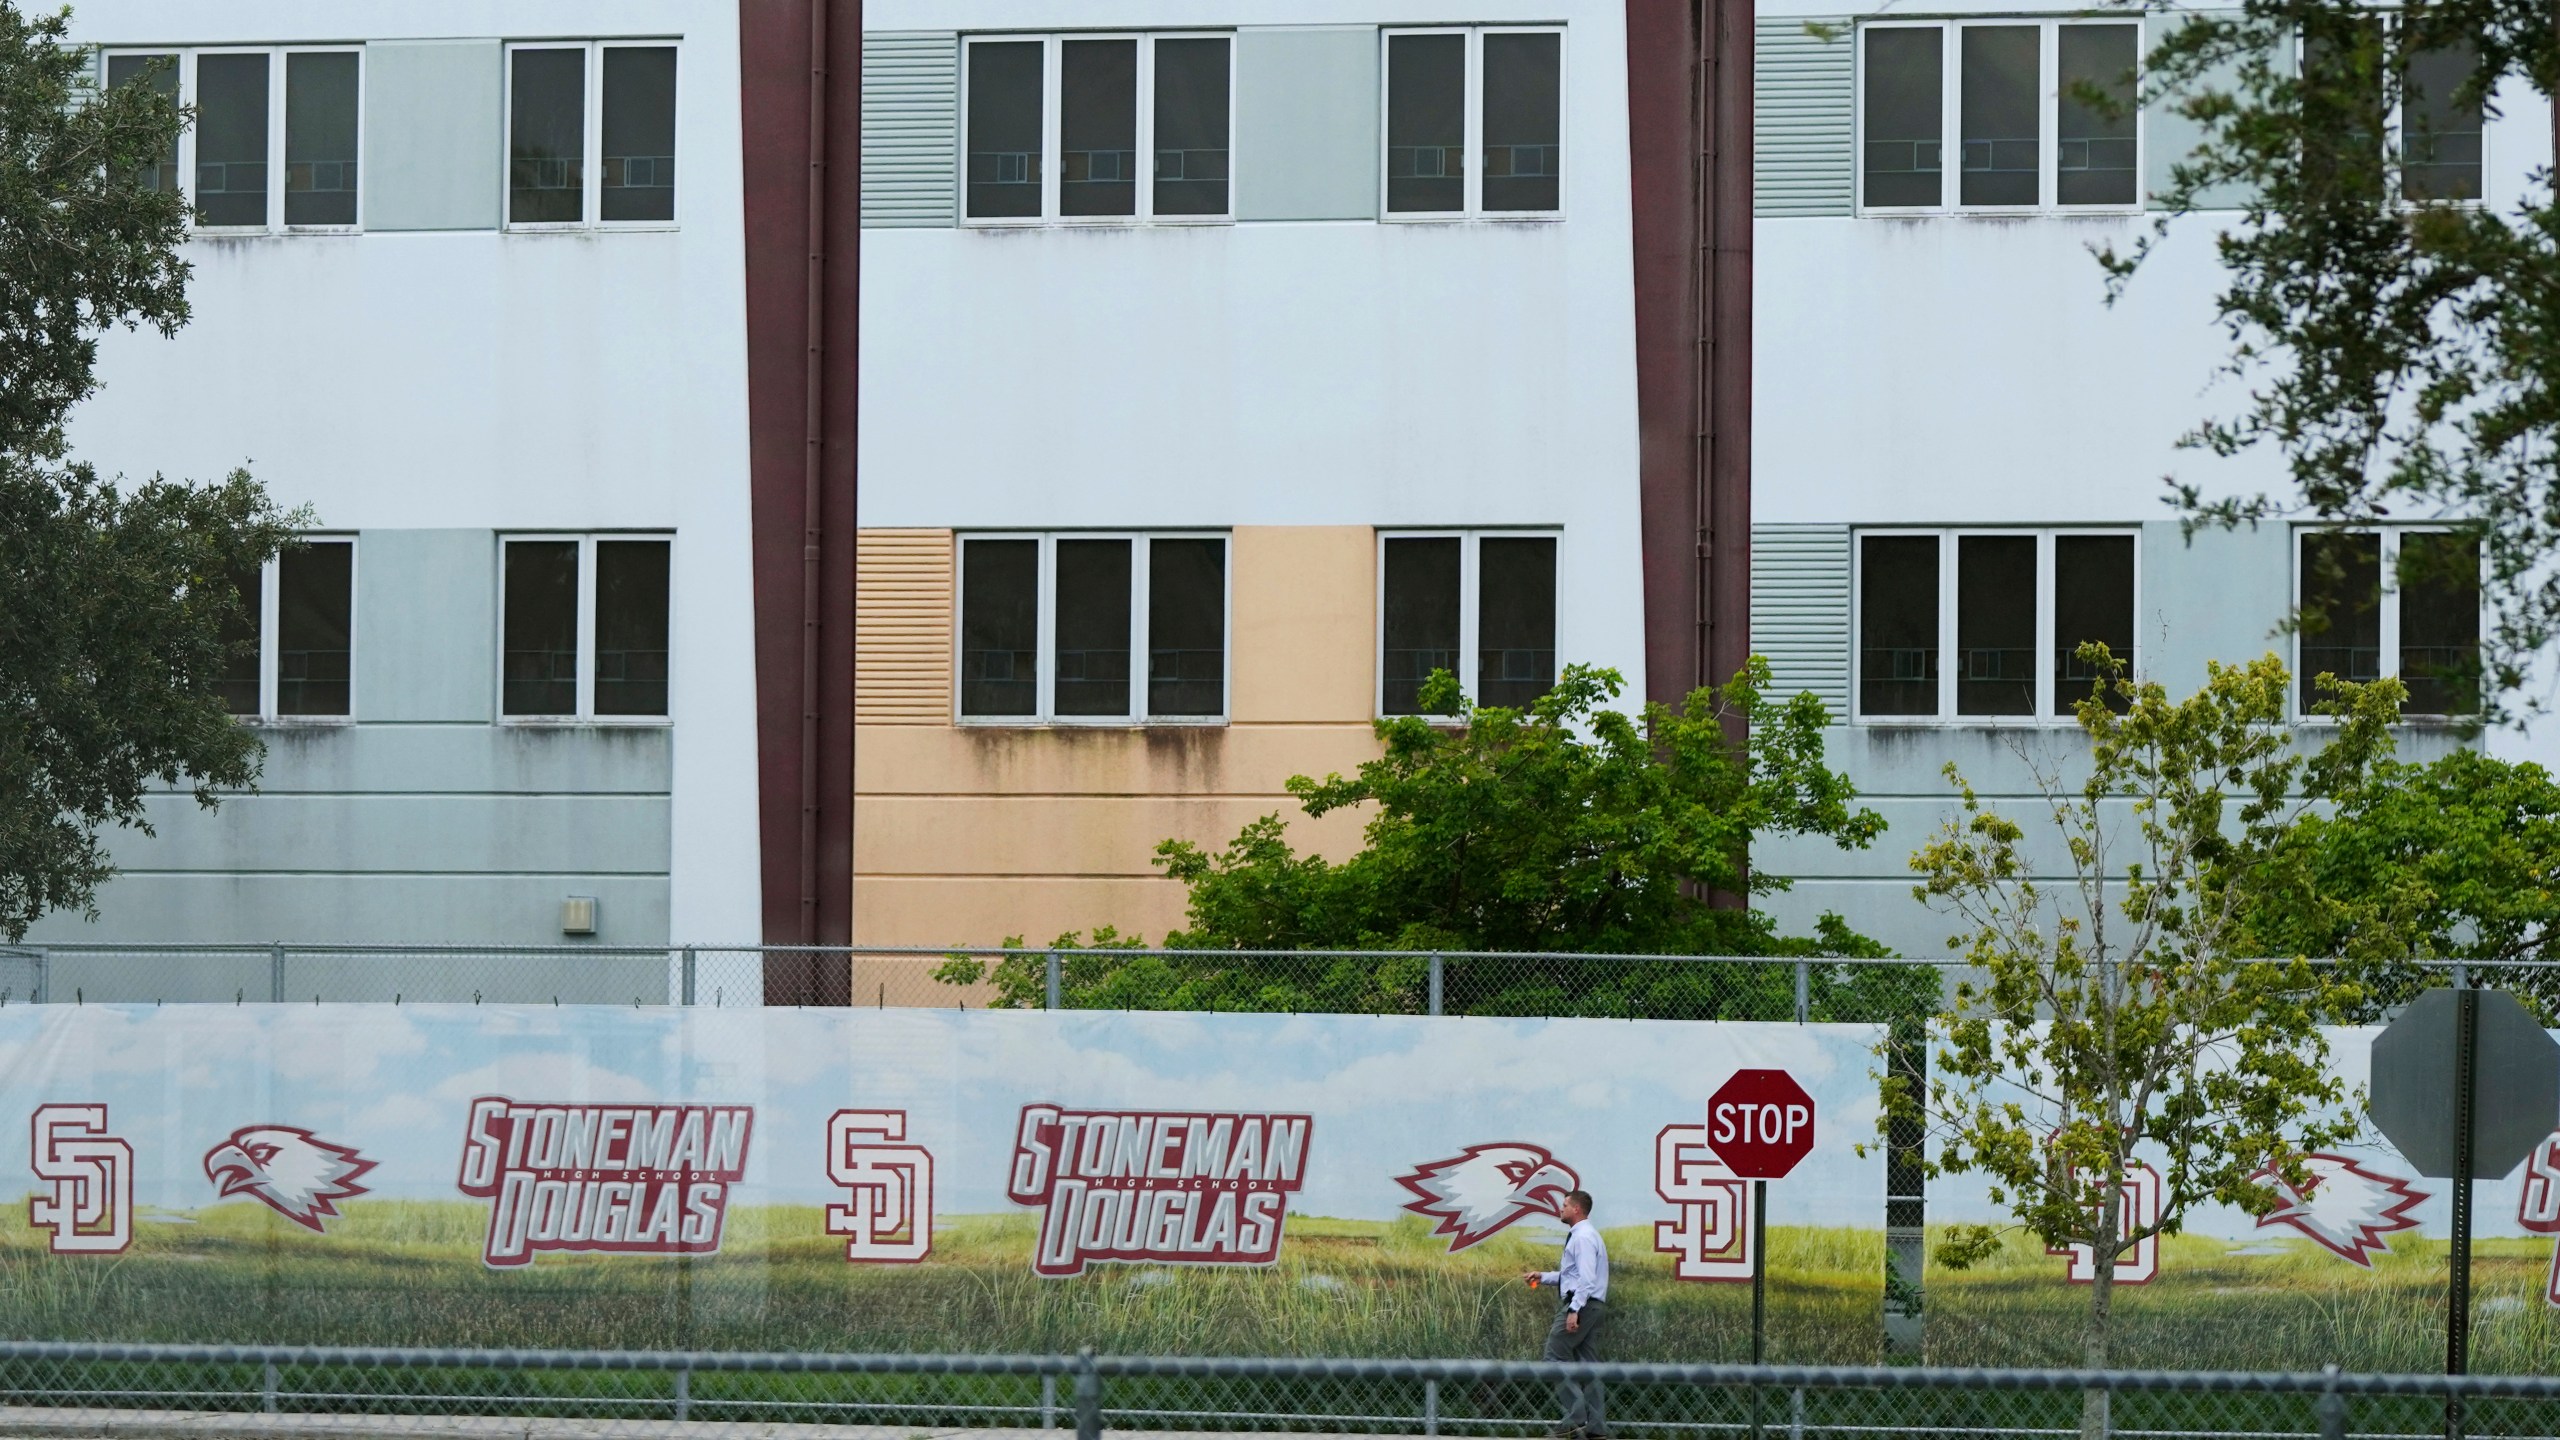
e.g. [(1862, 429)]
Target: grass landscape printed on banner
[(394, 1272)]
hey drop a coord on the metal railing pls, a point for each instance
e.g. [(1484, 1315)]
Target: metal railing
[(111, 1389), (1448, 982)]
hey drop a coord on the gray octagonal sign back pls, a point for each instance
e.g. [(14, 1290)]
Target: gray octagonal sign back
[(2515, 1103)]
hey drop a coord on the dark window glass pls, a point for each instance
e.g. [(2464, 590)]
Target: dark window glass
[(631, 627), (240, 630), (2093, 157), (1191, 127), (1515, 620), (160, 72), (1093, 627), (1098, 128), (539, 668), (1523, 122), (320, 139), (1004, 137), (639, 132), (1898, 625), (2343, 106), (1421, 621), (2092, 600), (315, 623), (1186, 626), (547, 140), (2341, 610), (1999, 109), (2440, 146), (1905, 117), (1426, 123), (2440, 623), (1000, 627), (1996, 625), (231, 139)]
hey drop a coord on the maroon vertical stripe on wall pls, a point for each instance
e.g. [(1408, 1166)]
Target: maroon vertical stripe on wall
[(776, 92), (1728, 603), (1662, 130)]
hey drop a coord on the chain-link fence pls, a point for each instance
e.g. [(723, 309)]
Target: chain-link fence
[(88, 1389)]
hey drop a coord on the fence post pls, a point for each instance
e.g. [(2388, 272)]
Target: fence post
[(684, 1391), (1435, 985), (692, 968), (1431, 1407), (39, 990), (1088, 1397), (1054, 982), (2332, 1407), (267, 1388), (1048, 1402), (275, 973), (1795, 1414), (1804, 990)]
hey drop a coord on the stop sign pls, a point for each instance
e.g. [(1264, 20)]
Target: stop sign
[(1760, 1123)]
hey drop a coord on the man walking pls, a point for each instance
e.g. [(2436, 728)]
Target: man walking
[(1582, 1279)]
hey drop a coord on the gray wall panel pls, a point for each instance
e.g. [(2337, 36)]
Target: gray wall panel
[(426, 624), (1802, 122), (431, 135), (2220, 597), (910, 128), (373, 909), (2169, 138), (470, 759), (465, 834), (1307, 124)]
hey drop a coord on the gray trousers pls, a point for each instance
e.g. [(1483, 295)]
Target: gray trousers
[(1584, 1407)]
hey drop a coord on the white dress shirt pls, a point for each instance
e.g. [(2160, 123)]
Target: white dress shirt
[(1584, 1276)]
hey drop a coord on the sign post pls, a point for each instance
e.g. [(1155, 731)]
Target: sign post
[(2465, 1083), (1760, 1124)]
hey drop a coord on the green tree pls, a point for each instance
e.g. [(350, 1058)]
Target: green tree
[(2116, 1016), (1568, 827), (119, 609), (2394, 341)]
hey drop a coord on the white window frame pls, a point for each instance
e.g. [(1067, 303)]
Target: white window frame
[(187, 56), (1472, 205), (270, 637), (1044, 710), (1948, 538), (2387, 610), (1951, 116), (1053, 160), (1470, 604), (586, 712), (591, 136)]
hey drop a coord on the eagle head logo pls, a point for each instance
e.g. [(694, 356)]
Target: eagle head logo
[(290, 1171), (1479, 1191), (2345, 1207)]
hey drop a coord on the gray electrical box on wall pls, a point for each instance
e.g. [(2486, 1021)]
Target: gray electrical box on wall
[(578, 915)]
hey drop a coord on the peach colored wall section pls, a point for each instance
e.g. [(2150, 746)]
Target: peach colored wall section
[(964, 835)]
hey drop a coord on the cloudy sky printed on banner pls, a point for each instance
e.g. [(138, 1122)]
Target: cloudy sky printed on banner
[(1388, 1093)]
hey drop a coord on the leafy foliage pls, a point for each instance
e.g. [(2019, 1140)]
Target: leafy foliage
[(117, 610), (83, 242), (2395, 345), (1568, 827), (2116, 1009)]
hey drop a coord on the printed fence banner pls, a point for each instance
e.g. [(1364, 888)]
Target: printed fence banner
[(2348, 1268), (916, 1180)]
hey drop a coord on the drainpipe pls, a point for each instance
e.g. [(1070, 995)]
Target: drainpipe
[(813, 464)]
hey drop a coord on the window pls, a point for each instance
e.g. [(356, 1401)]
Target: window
[(2440, 132), (1093, 629), (583, 625), (2424, 629), (296, 635), (1988, 624), (1988, 84), (1474, 123), (1138, 126), (591, 135), (247, 163), (1480, 605)]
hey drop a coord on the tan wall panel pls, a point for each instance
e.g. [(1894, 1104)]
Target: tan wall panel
[(1066, 835), (924, 910), (1164, 760), (902, 627), (1305, 599)]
